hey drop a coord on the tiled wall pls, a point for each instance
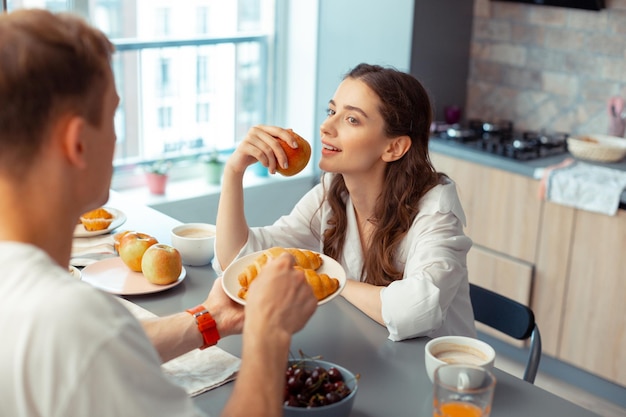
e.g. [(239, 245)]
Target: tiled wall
[(546, 67)]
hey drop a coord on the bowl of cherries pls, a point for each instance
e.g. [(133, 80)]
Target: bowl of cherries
[(318, 388)]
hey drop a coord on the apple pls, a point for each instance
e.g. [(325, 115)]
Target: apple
[(116, 240), (161, 264), (132, 247), (297, 158)]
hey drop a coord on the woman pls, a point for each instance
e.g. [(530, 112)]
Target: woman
[(381, 209)]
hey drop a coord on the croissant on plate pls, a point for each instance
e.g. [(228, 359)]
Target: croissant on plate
[(304, 258), (322, 284)]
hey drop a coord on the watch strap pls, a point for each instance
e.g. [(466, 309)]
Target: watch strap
[(206, 325)]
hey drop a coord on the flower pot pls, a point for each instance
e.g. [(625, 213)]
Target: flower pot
[(156, 183), (214, 172)]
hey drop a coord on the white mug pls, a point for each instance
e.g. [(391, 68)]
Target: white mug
[(195, 242), (457, 350)]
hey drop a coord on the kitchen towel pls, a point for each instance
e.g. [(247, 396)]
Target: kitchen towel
[(585, 186), (197, 371)]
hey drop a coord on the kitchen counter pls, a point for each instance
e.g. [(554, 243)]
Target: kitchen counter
[(533, 168)]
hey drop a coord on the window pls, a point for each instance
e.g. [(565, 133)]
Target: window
[(202, 74), (162, 22), (164, 117), (192, 75), (202, 20), (163, 77), (202, 112)]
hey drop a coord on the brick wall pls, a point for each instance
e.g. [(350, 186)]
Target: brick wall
[(546, 67)]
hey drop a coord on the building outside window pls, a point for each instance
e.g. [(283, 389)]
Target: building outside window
[(192, 76), (202, 112)]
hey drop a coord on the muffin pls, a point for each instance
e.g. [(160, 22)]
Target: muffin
[(98, 219)]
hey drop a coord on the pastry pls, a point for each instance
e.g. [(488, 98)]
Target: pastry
[(98, 219), (322, 284), (304, 258)]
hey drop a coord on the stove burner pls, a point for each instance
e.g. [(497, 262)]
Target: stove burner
[(500, 138)]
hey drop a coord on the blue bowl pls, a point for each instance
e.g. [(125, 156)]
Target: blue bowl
[(341, 408)]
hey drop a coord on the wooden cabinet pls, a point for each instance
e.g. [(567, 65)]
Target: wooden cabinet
[(502, 209), (566, 264), (594, 310), (551, 273)]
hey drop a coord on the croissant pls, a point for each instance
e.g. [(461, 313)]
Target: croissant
[(323, 285), (304, 258)]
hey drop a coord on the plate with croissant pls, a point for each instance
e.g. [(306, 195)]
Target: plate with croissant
[(325, 275)]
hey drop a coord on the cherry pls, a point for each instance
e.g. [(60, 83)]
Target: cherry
[(294, 385), (334, 375), (313, 386)]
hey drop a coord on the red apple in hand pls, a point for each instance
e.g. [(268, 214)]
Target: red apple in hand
[(132, 247), (297, 158), (161, 264)]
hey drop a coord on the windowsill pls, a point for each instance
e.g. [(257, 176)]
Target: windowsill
[(187, 189)]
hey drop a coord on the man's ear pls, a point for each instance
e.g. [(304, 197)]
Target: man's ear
[(396, 148), (72, 134)]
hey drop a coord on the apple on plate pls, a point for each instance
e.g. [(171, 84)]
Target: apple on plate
[(132, 247), (161, 264), (117, 238), (297, 158)]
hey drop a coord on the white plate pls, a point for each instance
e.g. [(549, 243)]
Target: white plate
[(118, 219), (232, 287), (113, 276)]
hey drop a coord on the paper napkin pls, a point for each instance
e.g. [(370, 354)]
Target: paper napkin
[(87, 250), (197, 371)]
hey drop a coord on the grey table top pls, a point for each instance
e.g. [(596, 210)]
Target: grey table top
[(393, 377)]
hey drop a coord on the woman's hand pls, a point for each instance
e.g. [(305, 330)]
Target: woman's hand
[(260, 144)]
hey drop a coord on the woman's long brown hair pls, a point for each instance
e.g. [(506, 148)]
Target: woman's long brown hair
[(406, 109)]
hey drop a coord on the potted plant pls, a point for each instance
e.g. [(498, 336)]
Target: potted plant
[(156, 176), (214, 168)]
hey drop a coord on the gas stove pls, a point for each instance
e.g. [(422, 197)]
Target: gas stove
[(500, 138)]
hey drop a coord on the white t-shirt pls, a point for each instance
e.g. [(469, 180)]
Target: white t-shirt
[(69, 349), (432, 299)]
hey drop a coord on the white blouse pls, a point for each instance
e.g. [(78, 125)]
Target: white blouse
[(432, 298)]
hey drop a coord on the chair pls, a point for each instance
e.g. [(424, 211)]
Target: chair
[(511, 318)]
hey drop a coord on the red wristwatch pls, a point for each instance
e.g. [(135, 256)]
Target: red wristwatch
[(206, 325)]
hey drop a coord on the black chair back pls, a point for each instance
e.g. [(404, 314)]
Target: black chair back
[(511, 318)]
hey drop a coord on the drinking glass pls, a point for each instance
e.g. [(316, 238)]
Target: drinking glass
[(463, 391)]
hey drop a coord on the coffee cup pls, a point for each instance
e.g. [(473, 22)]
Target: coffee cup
[(195, 242), (463, 350)]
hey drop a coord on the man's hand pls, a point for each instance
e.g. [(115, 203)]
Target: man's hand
[(280, 297), (228, 315)]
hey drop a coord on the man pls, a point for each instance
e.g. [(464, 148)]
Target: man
[(68, 349)]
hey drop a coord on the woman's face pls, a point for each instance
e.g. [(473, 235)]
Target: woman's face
[(352, 135)]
